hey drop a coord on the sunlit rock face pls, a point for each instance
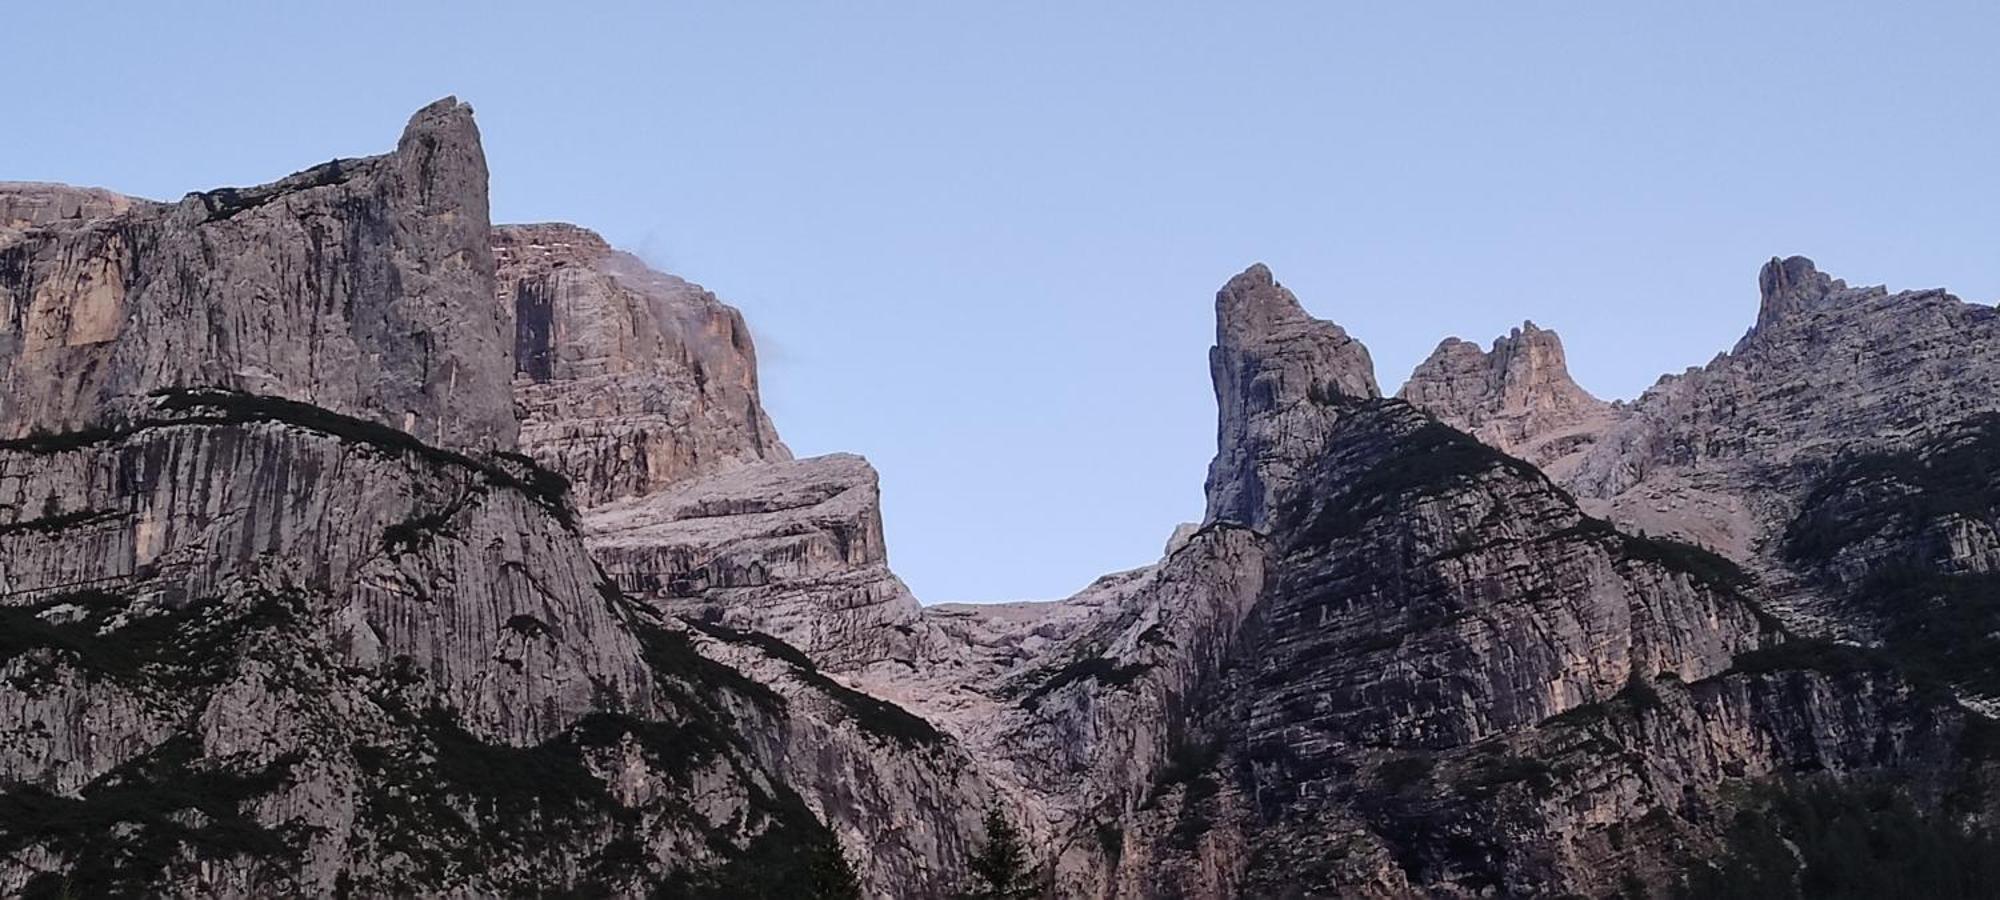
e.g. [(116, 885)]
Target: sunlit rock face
[(352, 545), (284, 612), (360, 286), (628, 380), (1518, 397)]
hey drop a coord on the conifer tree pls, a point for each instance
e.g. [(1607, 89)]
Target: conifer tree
[(1000, 868)]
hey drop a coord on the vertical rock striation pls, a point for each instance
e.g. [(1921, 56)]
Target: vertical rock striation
[(283, 613), (1517, 397), (1277, 372), (628, 380), (360, 286)]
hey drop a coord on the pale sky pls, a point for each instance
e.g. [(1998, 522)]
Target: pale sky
[(980, 243)]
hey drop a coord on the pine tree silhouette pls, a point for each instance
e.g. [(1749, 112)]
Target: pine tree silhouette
[(1000, 868)]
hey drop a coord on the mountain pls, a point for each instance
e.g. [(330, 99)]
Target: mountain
[(353, 545)]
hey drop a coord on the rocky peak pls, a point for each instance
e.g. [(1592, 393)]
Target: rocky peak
[(1789, 287), (628, 379), (1790, 284), (1279, 375), (373, 287), (1518, 397)]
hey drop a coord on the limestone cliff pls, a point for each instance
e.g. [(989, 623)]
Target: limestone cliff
[(352, 546), (284, 615), (628, 379), (1517, 397)]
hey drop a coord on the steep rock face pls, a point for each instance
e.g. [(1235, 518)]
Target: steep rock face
[(628, 379), (27, 204), (1275, 368), (360, 286), (1827, 371), (1517, 397), (263, 640), (642, 389), (1442, 616), (792, 549)]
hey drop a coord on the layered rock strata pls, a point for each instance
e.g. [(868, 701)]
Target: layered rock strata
[(283, 614)]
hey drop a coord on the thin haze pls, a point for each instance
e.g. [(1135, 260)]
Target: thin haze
[(980, 244)]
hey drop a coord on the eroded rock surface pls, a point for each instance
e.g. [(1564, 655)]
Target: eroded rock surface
[(286, 607), (283, 613), (628, 379), (1517, 397)]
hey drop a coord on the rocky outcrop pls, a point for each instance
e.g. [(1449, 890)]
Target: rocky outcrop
[(1517, 397), (628, 380), (282, 612), (792, 549), (310, 288), (1276, 371), (27, 204), (1442, 615)]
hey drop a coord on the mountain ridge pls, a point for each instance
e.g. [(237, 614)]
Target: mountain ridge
[(537, 572)]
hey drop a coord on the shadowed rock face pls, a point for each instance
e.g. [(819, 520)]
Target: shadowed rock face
[(628, 380), (280, 611)]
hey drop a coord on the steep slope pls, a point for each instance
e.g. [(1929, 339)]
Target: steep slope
[(1731, 454), (284, 615), (1445, 678), (642, 389), (284, 611)]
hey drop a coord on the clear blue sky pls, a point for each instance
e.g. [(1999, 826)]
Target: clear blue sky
[(979, 243)]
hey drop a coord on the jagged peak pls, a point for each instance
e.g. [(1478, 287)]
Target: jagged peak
[(1278, 372), (1787, 285), (445, 120), (1254, 309), (1252, 304)]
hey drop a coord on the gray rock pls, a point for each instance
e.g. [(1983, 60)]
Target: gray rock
[(361, 286), (1276, 372), (628, 380), (1517, 397)]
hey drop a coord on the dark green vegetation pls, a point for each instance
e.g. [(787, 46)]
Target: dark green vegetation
[(1830, 841), (1491, 772), (222, 204), (1704, 565), (455, 803), (1939, 626), (53, 523), (123, 829), (218, 407), (104, 635), (1405, 772), (1894, 495), (1811, 655), (1000, 871), (1637, 696), (869, 713)]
